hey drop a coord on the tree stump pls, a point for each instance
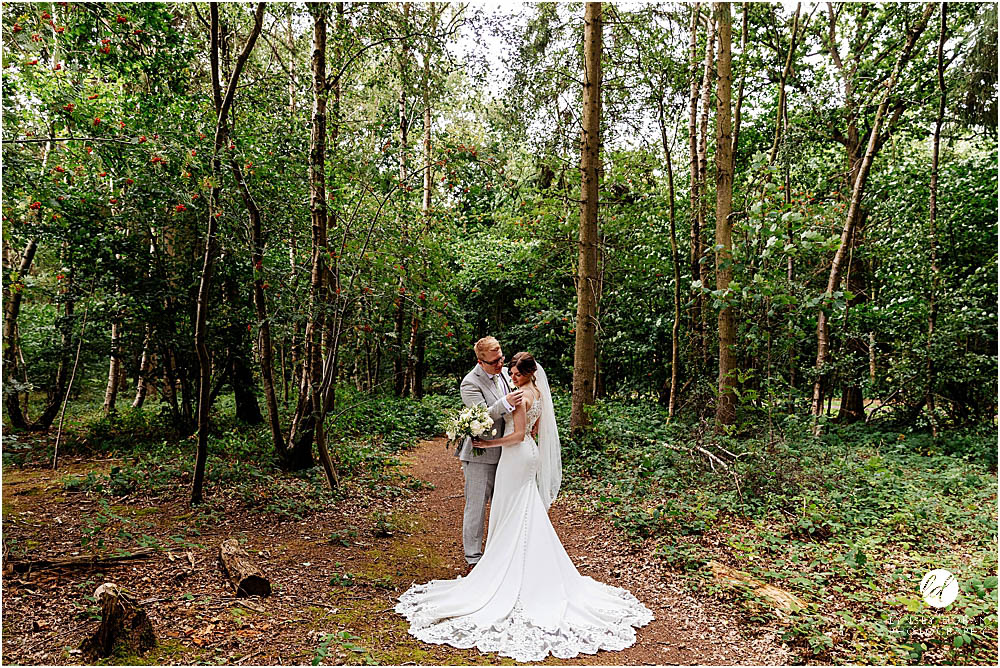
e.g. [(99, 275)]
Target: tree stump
[(245, 575), (125, 629)]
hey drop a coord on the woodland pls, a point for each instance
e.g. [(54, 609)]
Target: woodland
[(248, 248)]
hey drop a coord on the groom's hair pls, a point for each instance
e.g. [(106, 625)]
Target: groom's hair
[(485, 345)]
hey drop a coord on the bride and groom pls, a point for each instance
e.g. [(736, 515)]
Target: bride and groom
[(523, 597)]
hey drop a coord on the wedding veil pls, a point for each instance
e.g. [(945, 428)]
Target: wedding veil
[(549, 475)]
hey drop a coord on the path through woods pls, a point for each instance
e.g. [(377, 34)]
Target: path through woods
[(381, 544)]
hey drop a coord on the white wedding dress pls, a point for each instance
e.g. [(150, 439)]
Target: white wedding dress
[(524, 599)]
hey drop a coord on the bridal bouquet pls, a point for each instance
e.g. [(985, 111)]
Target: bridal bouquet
[(471, 421)]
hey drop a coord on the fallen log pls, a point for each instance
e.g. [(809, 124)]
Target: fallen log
[(80, 561), (782, 601), (125, 629), (245, 575)]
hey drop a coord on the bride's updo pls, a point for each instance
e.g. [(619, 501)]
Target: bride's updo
[(525, 363)]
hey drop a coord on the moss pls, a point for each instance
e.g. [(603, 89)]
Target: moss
[(142, 512), (166, 652), (8, 512)]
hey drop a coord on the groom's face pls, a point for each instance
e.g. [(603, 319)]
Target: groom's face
[(492, 361)]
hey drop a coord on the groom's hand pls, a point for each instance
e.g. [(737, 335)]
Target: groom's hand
[(514, 398)]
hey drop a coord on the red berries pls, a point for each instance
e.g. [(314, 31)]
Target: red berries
[(103, 174), (193, 153), (35, 205), (59, 168), (121, 19), (155, 159), (142, 139), (129, 182), (113, 200), (89, 149), (97, 121), (179, 208), (93, 97), (17, 28), (105, 49), (61, 29), (46, 16), (32, 62), (69, 107), (58, 66)]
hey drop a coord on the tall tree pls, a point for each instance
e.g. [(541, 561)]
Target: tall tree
[(585, 353), (697, 301), (223, 102), (698, 240), (859, 179), (932, 219), (725, 412)]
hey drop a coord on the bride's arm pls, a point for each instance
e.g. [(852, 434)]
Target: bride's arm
[(516, 437)]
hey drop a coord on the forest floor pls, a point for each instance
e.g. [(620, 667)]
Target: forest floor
[(335, 574)]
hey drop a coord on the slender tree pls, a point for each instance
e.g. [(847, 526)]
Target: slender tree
[(585, 354), (725, 412), (932, 219), (854, 210), (223, 103), (699, 239), (698, 299)]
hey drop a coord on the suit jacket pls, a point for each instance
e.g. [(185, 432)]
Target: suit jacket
[(477, 388)]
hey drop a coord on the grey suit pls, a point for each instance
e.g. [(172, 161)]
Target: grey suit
[(481, 470)]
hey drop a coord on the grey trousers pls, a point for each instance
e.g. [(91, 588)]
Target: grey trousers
[(479, 479)]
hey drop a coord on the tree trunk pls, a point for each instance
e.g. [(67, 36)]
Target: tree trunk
[(935, 271), (781, 87), (725, 412), (399, 364), (585, 354), (145, 364), (265, 345), (12, 308), (706, 100), (697, 300), (222, 106), (737, 114), (114, 365), (318, 211), (822, 325), (58, 394), (675, 259)]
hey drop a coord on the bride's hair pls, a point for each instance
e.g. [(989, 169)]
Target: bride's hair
[(525, 363)]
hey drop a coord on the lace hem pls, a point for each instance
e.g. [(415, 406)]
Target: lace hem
[(521, 639)]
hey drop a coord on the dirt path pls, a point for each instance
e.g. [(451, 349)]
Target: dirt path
[(336, 575), (686, 630)]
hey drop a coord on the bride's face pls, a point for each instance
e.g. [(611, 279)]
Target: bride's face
[(517, 377)]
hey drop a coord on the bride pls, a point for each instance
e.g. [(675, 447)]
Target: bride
[(525, 599)]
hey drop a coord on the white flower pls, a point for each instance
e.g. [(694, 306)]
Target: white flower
[(494, 432), (476, 427), (451, 435)]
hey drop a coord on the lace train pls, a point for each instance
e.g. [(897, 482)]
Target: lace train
[(518, 637)]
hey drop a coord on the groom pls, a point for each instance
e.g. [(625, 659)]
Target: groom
[(486, 384)]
